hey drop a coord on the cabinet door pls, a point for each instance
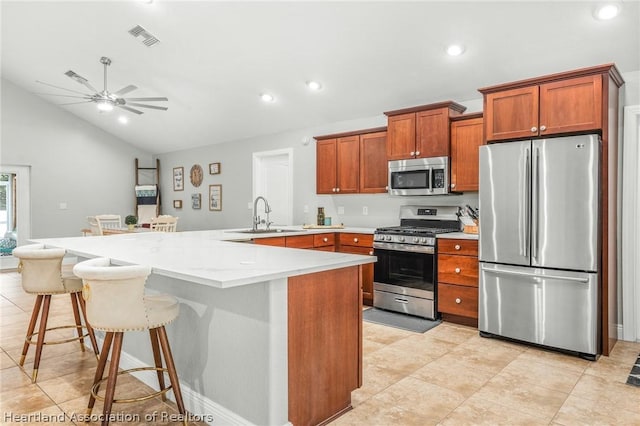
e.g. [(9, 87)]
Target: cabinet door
[(511, 114), (326, 166), (348, 161), (401, 136), (366, 272), (300, 241), (571, 105), (432, 133), (466, 137), (373, 162), (271, 241)]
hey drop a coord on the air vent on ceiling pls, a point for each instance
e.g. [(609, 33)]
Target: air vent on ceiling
[(149, 39)]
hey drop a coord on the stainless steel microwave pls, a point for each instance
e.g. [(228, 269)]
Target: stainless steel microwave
[(419, 176)]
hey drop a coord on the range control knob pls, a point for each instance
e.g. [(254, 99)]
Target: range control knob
[(423, 240), (401, 239), (416, 239), (388, 238)]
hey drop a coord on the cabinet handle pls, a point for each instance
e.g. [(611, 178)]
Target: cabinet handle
[(337, 189), (457, 270), (458, 300), (543, 128), (333, 189), (534, 129), (412, 153), (417, 152), (457, 247), (355, 240), (453, 185), (371, 253), (325, 239)]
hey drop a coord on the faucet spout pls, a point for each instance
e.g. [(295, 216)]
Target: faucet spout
[(256, 218)]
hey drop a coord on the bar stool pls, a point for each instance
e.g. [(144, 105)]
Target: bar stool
[(42, 275), (116, 303)]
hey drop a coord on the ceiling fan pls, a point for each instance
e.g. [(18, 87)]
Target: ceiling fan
[(105, 99)]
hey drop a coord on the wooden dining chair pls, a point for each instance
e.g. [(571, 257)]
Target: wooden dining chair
[(164, 223)]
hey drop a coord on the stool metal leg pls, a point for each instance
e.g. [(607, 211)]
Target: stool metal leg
[(92, 335), (43, 328), (113, 376), (76, 316), (32, 326), (102, 362), (171, 368), (157, 359)]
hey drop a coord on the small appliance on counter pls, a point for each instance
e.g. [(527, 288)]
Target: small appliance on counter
[(405, 273)]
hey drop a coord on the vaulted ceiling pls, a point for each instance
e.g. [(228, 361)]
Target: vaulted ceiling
[(215, 58)]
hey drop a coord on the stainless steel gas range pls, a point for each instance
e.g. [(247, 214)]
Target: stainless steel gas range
[(405, 274)]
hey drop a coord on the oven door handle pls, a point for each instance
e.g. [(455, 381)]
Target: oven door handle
[(397, 299)]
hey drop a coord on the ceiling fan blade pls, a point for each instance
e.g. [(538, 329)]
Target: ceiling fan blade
[(146, 99), (62, 88), (73, 103), (124, 90), (135, 111), (80, 79), (66, 96), (148, 106)]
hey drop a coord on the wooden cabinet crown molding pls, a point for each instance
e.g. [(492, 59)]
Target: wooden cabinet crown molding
[(447, 104), (469, 116), (351, 133), (610, 69)]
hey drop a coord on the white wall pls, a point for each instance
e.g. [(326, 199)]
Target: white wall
[(71, 162)]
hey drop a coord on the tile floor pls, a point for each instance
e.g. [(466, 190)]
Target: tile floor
[(448, 375)]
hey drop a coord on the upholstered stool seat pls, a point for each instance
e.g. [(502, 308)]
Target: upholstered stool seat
[(42, 275), (116, 303)]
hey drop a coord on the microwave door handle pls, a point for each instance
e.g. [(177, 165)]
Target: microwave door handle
[(429, 179)]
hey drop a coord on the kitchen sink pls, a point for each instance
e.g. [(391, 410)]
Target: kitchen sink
[(267, 231)]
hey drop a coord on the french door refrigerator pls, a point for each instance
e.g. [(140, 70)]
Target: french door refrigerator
[(539, 242)]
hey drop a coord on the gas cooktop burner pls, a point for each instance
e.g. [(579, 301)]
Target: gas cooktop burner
[(415, 230)]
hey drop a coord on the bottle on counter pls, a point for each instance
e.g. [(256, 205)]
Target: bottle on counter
[(321, 216)]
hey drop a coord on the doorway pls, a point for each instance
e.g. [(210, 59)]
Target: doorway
[(273, 179), (15, 209)]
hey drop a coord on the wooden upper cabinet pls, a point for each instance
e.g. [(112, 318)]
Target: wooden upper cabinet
[(466, 138), (352, 162), (401, 136), (562, 103), (348, 159), (421, 131), (571, 105), (511, 114), (432, 133), (326, 166), (373, 162)]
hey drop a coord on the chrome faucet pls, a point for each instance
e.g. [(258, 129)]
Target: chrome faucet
[(256, 218)]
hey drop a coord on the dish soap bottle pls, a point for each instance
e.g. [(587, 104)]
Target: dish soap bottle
[(320, 216)]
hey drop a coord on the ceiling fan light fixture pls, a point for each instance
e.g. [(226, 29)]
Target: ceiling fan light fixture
[(267, 97), (314, 86), (455, 50), (607, 11), (105, 105)]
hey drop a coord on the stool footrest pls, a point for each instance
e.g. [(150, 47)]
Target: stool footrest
[(29, 338), (96, 387)]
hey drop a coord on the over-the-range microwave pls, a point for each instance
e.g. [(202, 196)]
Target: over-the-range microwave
[(419, 176)]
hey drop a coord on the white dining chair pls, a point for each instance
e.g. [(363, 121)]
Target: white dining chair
[(164, 223), (108, 221)]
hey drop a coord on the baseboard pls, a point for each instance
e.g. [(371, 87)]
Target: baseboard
[(201, 408)]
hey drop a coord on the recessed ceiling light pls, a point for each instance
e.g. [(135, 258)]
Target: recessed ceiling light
[(314, 85), (267, 97), (455, 50), (122, 119), (607, 11)]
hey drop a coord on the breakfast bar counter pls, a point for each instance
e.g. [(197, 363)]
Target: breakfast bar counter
[(266, 335)]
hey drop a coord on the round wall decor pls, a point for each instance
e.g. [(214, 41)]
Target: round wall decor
[(196, 175)]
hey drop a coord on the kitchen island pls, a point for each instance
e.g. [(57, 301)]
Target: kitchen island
[(265, 335)]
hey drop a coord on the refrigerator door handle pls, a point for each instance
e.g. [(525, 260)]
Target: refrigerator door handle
[(528, 274), (535, 211), (524, 236)]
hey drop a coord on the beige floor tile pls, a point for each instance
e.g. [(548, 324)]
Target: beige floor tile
[(455, 374), (625, 352), (452, 333), (530, 399), (14, 377), (477, 411), (6, 361), (370, 346), (76, 362), (372, 413), (385, 335), (424, 344), (557, 359), (541, 374), (374, 380), (491, 358), (604, 392), (23, 399), (396, 360), (580, 411), (609, 369)]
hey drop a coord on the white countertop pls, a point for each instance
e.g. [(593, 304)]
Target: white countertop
[(458, 236), (211, 257)]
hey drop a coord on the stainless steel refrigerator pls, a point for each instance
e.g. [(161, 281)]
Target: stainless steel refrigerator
[(539, 242)]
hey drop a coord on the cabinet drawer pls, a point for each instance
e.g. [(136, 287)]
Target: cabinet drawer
[(458, 300), (321, 240), (357, 240), (270, 241), (461, 270), (464, 247), (325, 248), (302, 241), (367, 251)]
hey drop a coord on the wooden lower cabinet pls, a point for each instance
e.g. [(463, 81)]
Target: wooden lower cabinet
[(360, 244), (458, 280), (324, 344)]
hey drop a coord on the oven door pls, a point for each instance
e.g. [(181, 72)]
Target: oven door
[(405, 282)]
